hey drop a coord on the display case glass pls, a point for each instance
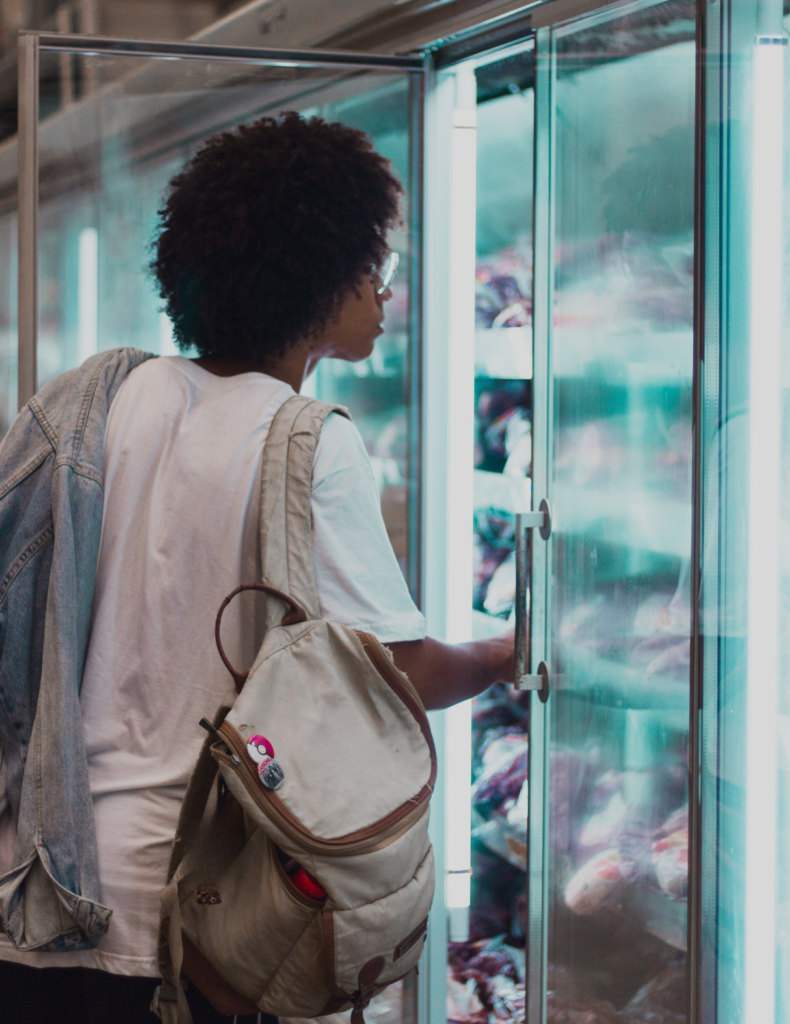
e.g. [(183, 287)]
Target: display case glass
[(109, 145), (620, 483)]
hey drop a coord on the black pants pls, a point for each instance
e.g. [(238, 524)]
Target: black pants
[(78, 995)]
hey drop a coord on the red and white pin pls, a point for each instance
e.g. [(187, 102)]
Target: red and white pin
[(262, 753)]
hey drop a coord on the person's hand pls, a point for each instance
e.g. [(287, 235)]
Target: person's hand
[(503, 650), (445, 674)]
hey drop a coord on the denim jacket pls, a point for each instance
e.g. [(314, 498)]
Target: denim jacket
[(51, 500)]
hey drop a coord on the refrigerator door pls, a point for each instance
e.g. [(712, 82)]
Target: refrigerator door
[(609, 843), (114, 122)]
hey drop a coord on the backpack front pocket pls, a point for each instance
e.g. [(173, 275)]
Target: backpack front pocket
[(248, 921)]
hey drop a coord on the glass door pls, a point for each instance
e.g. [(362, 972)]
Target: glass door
[(614, 348), (104, 126), (113, 123)]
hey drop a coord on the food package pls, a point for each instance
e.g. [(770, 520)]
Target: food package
[(503, 426), (636, 847), (594, 882), (463, 1002), (502, 290), (501, 591), (497, 710), (671, 855), (518, 814), (494, 542), (603, 829), (490, 974), (504, 771)]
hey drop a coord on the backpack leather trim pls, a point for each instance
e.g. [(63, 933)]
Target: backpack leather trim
[(411, 940)]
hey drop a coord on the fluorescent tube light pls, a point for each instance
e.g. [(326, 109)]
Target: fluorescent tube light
[(763, 536), (460, 489)]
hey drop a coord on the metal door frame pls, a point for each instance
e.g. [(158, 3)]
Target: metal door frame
[(30, 46)]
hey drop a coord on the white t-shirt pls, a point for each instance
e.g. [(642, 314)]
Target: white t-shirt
[(179, 532)]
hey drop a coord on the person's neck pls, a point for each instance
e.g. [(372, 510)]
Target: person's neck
[(292, 368)]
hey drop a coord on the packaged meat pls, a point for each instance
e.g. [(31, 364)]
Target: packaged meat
[(603, 828), (463, 1003), (493, 973), (502, 422), (495, 786), (501, 591), (518, 814), (636, 847), (499, 709), (498, 750), (508, 999), (671, 860), (594, 882), (679, 819), (502, 291)]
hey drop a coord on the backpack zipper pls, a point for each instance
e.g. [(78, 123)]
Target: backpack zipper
[(365, 840)]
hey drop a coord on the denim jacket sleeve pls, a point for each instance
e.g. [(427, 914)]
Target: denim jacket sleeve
[(51, 501)]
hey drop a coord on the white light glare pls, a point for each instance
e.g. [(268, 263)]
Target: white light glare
[(763, 551), (459, 803)]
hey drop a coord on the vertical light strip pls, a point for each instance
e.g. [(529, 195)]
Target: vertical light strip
[(764, 445), (460, 370), (88, 294)]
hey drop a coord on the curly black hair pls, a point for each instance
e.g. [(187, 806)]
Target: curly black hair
[(265, 231)]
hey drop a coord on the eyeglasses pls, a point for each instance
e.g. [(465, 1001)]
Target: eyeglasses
[(386, 273)]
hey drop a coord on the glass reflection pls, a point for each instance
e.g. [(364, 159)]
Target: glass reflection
[(622, 352)]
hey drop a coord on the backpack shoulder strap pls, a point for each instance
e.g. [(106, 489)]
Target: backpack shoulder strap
[(286, 523)]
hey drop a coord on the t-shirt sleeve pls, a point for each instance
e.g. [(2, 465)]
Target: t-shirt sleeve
[(358, 578)]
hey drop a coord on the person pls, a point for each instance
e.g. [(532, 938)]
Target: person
[(268, 258)]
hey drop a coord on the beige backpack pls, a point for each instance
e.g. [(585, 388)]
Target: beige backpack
[(315, 779)]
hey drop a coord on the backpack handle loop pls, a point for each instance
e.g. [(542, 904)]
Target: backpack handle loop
[(295, 615)]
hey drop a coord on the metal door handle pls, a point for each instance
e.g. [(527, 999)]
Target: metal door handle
[(526, 523)]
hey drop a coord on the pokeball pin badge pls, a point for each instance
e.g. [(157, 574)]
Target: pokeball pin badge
[(262, 753)]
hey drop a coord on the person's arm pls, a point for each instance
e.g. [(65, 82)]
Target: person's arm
[(444, 674)]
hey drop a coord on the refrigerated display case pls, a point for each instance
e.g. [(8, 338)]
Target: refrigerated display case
[(656, 818), (600, 249)]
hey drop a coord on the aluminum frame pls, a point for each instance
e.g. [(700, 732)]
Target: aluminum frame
[(212, 51), (542, 419)]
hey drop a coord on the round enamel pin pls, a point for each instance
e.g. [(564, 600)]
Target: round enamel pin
[(262, 753)]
